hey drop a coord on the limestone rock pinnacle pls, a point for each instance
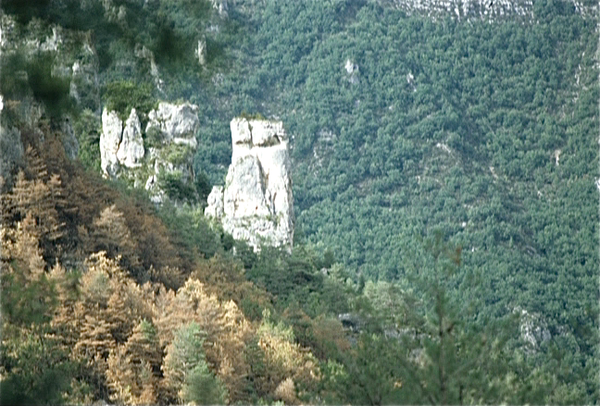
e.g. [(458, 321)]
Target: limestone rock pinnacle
[(131, 150), (256, 204)]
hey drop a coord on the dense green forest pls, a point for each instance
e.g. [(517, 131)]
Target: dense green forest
[(445, 181)]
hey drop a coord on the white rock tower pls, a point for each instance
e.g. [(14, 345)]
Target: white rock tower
[(256, 204)]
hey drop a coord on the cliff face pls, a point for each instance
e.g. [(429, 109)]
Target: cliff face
[(164, 151), (467, 9), (37, 50), (256, 204)]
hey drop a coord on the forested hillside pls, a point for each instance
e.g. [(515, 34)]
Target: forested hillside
[(445, 175), (486, 131)]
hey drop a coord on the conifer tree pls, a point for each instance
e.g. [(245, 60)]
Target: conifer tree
[(36, 167), (110, 234), (40, 195), (35, 366), (66, 285), (143, 345), (110, 308), (432, 351), (186, 370), (27, 295), (38, 199), (284, 359), (226, 329), (133, 368)]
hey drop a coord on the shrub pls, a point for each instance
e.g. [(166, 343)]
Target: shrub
[(177, 154), (252, 116), (87, 128), (203, 186), (174, 186), (122, 96)]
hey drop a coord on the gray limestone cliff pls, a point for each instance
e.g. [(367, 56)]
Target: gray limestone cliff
[(479, 9), (21, 110), (256, 204), (158, 158)]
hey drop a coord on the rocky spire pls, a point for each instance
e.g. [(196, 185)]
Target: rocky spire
[(256, 205)]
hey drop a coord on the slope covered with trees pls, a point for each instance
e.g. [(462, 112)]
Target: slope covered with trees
[(445, 180), (102, 299), (484, 130)]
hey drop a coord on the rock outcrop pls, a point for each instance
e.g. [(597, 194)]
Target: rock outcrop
[(163, 152), (131, 149), (110, 140), (221, 7), (69, 140), (353, 72), (256, 204), (11, 148), (11, 152), (534, 330), (479, 9), (176, 122)]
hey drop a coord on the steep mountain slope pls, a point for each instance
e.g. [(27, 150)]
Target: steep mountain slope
[(434, 103), (404, 122)]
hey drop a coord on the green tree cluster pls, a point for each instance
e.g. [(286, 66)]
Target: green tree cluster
[(483, 130)]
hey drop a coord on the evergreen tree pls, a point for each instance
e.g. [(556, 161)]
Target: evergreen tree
[(186, 371), (133, 369), (35, 366), (441, 353), (225, 327)]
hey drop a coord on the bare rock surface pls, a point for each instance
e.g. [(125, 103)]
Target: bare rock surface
[(256, 204), (176, 122), (131, 149), (110, 139), (164, 151)]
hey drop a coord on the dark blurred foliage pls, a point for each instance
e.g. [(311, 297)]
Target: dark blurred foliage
[(33, 76), (51, 90)]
